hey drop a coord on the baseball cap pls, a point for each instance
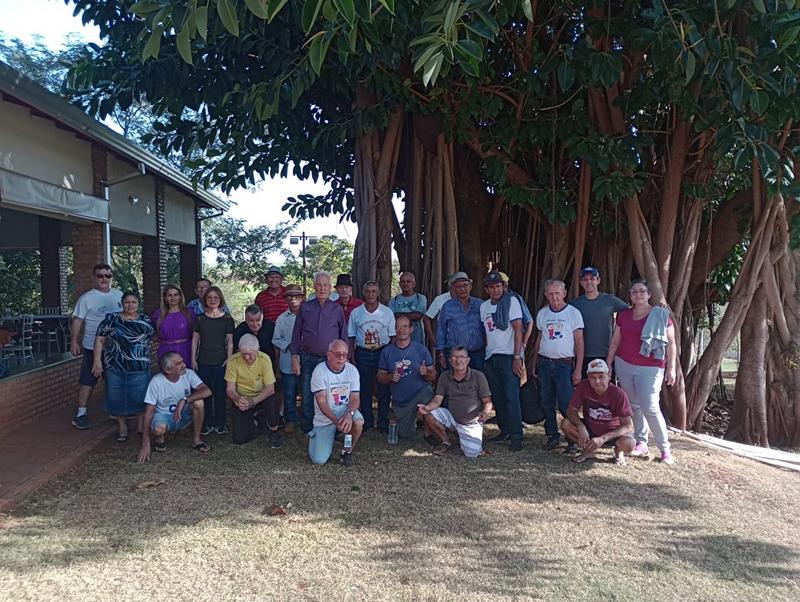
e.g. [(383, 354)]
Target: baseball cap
[(597, 365), (274, 270), (504, 276), (493, 277), (458, 276), (292, 289), (588, 270)]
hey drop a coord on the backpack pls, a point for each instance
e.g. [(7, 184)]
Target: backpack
[(532, 411)]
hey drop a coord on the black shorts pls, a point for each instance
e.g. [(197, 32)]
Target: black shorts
[(86, 377)]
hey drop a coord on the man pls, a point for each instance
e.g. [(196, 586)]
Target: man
[(559, 347), (460, 324), (527, 317), (284, 327), (90, 310), (174, 400), (250, 386), (606, 416), (344, 289), (196, 305), (255, 324), (469, 406), (501, 316), (407, 367), (318, 323), (371, 328), (271, 300), (598, 311), (336, 400), (410, 303), (434, 309)]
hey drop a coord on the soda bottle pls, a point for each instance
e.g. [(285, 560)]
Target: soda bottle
[(393, 432)]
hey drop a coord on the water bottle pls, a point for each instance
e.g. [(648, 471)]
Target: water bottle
[(393, 432), (348, 443)]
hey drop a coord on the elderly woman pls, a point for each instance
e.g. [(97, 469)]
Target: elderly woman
[(643, 351), (173, 323), (122, 351), (251, 389)]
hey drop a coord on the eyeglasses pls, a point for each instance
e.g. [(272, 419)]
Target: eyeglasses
[(459, 358), (339, 354), (102, 275)]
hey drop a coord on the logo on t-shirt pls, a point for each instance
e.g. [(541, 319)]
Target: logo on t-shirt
[(403, 368), (555, 329), (600, 414), (340, 394), (490, 325), (372, 339)]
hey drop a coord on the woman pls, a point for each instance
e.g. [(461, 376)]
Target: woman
[(122, 351), (212, 346), (643, 351), (173, 323)]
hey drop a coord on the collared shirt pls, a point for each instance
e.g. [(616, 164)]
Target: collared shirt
[(316, 326), (351, 305), (272, 305), (284, 326), (459, 327), (249, 379), (465, 396), (196, 307)]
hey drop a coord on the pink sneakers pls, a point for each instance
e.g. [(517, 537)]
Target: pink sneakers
[(640, 450), (666, 458)]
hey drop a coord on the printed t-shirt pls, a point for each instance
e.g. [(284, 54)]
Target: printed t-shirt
[(406, 363), (165, 394), (371, 330), (631, 341), (92, 307), (249, 379), (213, 349), (558, 327), (601, 413), (598, 321), (500, 342), (337, 387), (401, 304), (464, 397)]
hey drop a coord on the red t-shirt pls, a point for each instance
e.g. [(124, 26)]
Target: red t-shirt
[(601, 413), (272, 305), (631, 341), (351, 305)]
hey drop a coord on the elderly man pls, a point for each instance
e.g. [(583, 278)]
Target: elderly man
[(336, 399), (460, 324), (271, 300), (606, 416), (90, 310), (195, 306), (255, 324), (251, 389), (407, 367), (344, 289), (174, 400), (284, 327), (559, 347), (410, 303), (319, 321), (469, 406)]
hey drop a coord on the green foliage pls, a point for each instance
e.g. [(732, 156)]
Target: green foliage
[(20, 289), (329, 254)]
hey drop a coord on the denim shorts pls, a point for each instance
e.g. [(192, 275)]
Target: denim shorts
[(167, 418), (125, 392)]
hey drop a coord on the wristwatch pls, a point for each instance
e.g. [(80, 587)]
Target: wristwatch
[(520, 357), (352, 413)]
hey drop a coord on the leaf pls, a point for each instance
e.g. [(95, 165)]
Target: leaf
[(273, 8), (388, 5), (788, 36), (759, 4), (257, 7), (202, 22), (426, 55), (147, 484), (153, 46), (352, 37), (527, 9), (451, 15), (691, 63), (227, 13), (470, 49), (184, 45), (566, 76), (310, 12), (143, 7), (489, 21), (347, 9), (318, 50), (432, 69), (759, 101)]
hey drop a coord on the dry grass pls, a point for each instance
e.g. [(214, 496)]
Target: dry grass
[(404, 524)]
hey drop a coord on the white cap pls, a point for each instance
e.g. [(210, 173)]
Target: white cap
[(597, 366)]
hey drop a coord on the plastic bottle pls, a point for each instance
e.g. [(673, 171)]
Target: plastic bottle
[(348, 443), (393, 432)]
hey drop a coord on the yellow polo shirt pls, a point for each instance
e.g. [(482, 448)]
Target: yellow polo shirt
[(249, 379)]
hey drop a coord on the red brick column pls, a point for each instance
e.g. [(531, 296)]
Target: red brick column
[(154, 255), (50, 256), (88, 243)]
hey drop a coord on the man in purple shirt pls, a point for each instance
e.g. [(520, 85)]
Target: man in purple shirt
[(319, 321)]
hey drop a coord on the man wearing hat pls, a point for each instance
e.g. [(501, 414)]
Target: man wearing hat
[(284, 326), (598, 311), (501, 315), (344, 288), (460, 324), (271, 300), (606, 416)]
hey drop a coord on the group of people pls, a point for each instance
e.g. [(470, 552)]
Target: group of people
[(340, 353)]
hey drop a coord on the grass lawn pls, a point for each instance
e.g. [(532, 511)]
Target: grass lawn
[(405, 524)]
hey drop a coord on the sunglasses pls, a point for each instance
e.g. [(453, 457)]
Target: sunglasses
[(102, 275)]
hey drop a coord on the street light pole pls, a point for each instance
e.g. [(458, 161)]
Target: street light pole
[(303, 238)]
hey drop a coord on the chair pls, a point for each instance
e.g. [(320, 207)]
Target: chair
[(22, 347), (50, 311)]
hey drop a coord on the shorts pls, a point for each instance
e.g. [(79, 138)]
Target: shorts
[(610, 442), (167, 418), (470, 435), (320, 439), (86, 377)]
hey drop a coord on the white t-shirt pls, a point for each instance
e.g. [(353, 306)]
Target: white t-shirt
[(371, 330), (558, 328), (436, 305), (499, 341), (165, 394), (92, 307), (337, 387)]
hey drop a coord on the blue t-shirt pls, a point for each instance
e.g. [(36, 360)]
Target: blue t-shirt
[(400, 304), (405, 362)]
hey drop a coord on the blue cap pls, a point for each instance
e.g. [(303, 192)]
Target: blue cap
[(590, 270)]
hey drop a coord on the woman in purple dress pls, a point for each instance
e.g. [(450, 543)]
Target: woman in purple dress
[(173, 324)]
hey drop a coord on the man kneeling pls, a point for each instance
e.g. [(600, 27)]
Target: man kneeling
[(251, 389), (606, 415), (469, 404), (335, 385), (174, 399)]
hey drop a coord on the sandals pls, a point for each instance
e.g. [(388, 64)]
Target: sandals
[(441, 449), (160, 446), (202, 447), (580, 459), (619, 461)]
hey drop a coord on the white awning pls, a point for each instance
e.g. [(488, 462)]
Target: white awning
[(45, 198)]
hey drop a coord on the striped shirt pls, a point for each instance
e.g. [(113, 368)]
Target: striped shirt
[(272, 305)]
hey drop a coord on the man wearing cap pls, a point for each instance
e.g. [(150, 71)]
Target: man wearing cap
[(606, 416), (255, 324), (501, 316), (598, 311), (557, 357), (410, 303), (271, 300), (284, 326), (460, 324), (344, 288)]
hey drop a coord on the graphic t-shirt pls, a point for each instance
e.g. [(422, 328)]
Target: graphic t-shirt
[(336, 385), (601, 413), (598, 321), (498, 341), (406, 363), (250, 379), (127, 346), (165, 394), (558, 327), (371, 330), (92, 307), (400, 304)]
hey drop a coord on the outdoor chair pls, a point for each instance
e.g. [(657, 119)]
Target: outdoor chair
[(22, 345)]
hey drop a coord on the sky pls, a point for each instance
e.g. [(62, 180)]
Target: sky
[(53, 21)]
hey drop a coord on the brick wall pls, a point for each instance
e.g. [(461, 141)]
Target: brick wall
[(88, 250), (154, 254)]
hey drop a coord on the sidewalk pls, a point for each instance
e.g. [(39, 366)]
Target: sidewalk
[(45, 448)]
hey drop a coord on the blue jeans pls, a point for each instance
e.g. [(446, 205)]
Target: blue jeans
[(307, 364), (289, 387), (367, 364), (504, 385), (555, 386), (215, 406)]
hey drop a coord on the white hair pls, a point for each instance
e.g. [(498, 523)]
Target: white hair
[(322, 274), (249, 342)]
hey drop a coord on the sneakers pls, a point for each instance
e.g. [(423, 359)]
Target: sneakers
[(572, 448), (640, 450), (666, 458), (207, 430), (516, 445), (221, 430), (551, 443), (347, 459), (501, 438), (81, 422), (274, 439)]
